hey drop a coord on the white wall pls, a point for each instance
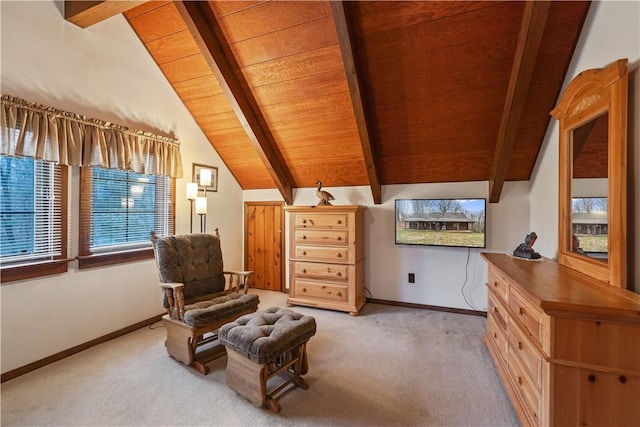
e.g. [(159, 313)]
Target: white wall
[(440, 272), (611, 31), (106, 73)]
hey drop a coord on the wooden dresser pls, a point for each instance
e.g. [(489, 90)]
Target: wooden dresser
[(326, 257), (566, 346)]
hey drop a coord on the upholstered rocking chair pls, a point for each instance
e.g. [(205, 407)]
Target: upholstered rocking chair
[(198, 294)]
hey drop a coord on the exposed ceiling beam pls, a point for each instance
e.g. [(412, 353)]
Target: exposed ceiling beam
[(87, 13), (346, 49), (202, 24), (531, 31)]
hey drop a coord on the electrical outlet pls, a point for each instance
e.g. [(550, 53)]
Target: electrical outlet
[(412, 278)]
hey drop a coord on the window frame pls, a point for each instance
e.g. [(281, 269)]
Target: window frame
[(59, 264), (87, 259)]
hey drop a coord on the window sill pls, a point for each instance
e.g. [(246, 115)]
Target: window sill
[(91, 261), (30, 271)]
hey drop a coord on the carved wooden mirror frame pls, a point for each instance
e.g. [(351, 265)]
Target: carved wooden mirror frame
[(589, 95)]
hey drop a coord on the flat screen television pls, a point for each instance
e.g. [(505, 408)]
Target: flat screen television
[(441, 222)]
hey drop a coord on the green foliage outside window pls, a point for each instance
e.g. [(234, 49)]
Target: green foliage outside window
[(17, 209), (124, 207)]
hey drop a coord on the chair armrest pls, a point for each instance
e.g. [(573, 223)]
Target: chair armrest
[(240, 278), (175, 298), (171, 285)]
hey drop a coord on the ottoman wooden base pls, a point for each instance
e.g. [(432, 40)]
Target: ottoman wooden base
[(267, 352), (250, 379)]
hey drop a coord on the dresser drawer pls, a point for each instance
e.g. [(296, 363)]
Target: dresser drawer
[(498, 283), (597, 342), (605, 398), (333, 272), (306, 288), (321, 237), (321, 220), (529, 316), (531, 360), (319, 253), (497, 335), (529, 396), (498, 311)]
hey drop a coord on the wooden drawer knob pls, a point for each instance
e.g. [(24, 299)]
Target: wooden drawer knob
[(304, 270), (623, 379), (495, 335), (495, 284), (338, 221), (338, 238), (520, 380), (304, 252), (339, 294), (521, 311), (304, 221), (304, 237), (304, 289), (592, 378), (338, 274), (519, 345), (338, 254)]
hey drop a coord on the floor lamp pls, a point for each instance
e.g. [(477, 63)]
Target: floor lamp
[(201, 202)]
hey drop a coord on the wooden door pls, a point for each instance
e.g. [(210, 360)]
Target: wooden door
[(264, 244)]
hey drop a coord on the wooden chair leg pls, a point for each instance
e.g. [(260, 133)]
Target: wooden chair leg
[(246, 377), (179, 343), (300, 382), (200, 367), (268, 401), (300, 367), (272, 404), (303, 366)]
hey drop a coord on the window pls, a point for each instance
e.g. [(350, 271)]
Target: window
[(118, 211), (33, 200)]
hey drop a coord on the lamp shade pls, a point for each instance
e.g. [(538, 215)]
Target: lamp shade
[(205, 177), (192, 190), (201, 205)]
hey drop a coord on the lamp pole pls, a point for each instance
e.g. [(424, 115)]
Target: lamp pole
[(201, 209)]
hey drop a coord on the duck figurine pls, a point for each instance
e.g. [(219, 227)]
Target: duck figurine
[(324, 196)]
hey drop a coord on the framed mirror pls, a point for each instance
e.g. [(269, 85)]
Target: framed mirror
[(593, 174), (589, 189)]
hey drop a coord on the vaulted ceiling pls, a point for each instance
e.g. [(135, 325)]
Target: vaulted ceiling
[(362, 92)]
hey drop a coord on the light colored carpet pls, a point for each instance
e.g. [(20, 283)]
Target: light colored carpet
[(388, 366)]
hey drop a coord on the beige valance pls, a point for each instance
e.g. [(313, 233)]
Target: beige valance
[(32, 130)]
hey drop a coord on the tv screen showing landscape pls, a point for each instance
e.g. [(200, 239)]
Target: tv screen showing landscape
[(441, 222)]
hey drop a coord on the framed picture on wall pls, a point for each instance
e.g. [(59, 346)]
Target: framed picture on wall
[(206, 177)]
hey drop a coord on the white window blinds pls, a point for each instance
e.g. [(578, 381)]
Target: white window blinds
[(125, 208), (31, 210)]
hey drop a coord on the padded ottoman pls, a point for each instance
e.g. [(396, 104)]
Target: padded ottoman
[(263, 345)]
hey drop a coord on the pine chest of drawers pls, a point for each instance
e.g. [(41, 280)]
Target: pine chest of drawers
[(565, 345), (326, 257)]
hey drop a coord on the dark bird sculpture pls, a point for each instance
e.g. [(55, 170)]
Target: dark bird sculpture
[(324, 196)]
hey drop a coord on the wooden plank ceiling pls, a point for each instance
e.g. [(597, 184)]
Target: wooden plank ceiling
[(366, 93)]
